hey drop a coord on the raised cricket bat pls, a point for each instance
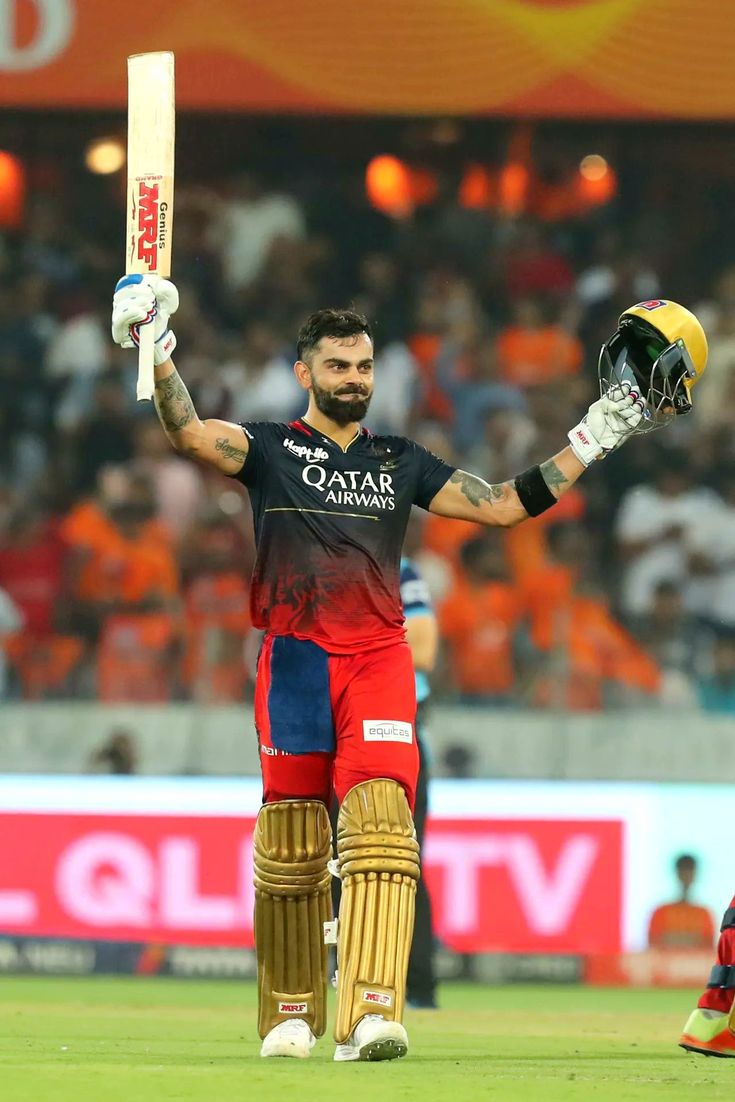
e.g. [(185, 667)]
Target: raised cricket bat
[(151, 118)]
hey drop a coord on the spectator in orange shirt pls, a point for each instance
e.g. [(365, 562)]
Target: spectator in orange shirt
[(120, 557), (583, 654), (217, 610), (31, 556), (478, 621), (533, 351), (682, 924), (547, 588)]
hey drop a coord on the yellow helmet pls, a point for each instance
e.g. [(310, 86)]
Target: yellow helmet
[(660, 348)]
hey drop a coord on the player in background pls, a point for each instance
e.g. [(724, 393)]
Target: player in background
[(335, 697), (422, 636)]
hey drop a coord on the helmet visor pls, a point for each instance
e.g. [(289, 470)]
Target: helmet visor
[(638, 354)]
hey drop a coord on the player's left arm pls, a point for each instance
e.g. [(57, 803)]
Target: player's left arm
[(468, 497), (607, 423)]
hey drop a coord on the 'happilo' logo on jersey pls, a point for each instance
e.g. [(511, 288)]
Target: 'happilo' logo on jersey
[(355, 488), (311, 455)]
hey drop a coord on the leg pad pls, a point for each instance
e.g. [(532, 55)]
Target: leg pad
[(722, 975), (379, 867), (292, 844)]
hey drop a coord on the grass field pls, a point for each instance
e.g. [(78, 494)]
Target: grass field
[(140, 1040)]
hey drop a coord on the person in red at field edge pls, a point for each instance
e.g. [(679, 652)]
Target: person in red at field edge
[(335, 699)]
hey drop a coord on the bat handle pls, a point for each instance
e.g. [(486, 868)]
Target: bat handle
[(145, 363)]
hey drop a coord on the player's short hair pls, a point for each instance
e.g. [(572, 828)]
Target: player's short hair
[(330, 323)]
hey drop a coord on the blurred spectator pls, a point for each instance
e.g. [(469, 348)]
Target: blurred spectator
[(24, 401), (547, 589), (48, 241), (677, 641), (80, 347), (710, 544), (31, 568), (682, 924), (118, 754), (217, 611), (505, 445), (583, 657), (50, 667), (718, 319), (534, 350), (396, 379), (458, 761), (607, 277), (717, 691), (535, 267), (105, 436), (653, 528), (249, 222), (137, 658), (120, 555), (596, 662), (478, 621), (447, 314), (380, 297), (466, 371), (526, 545), (262, 383), (177, 483), (11, 621)]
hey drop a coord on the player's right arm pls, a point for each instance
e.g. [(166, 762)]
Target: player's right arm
[(151, 300), (219, 444)]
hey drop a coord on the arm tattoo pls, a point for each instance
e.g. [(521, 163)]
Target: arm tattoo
[(553, 477), (229, 451), (476, 490), (174, 404)]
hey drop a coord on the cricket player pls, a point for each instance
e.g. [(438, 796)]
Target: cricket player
[(335, 698)]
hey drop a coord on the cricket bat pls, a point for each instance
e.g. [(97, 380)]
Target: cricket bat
[(151, 118)]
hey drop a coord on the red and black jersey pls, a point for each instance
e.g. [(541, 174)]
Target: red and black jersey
[(329, 527)]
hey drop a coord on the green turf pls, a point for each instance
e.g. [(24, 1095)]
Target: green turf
[(140, 1040)]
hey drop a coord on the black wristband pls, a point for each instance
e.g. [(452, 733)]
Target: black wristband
[(533, 492)]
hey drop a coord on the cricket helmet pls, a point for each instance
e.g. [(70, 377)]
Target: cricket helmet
[(660, 348)]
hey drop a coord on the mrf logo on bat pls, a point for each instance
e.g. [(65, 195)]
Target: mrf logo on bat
[(150, 219)]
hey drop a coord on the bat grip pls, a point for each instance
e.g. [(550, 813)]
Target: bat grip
[(144, 389)]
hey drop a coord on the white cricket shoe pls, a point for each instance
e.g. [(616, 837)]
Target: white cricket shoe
[(373, 1038), (291, 1038)]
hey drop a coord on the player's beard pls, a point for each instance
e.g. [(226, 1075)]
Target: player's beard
[(340, 410)]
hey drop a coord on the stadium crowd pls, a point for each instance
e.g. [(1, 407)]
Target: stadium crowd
[(124, 568)]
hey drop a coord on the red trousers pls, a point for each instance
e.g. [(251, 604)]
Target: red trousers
[(721, 998), (372, 698)]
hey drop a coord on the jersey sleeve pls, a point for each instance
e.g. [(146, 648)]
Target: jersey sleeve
[(415, 596), (431, 474), (260, 436)]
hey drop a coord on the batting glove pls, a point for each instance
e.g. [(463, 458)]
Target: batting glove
[(144, 300), (607, 423)]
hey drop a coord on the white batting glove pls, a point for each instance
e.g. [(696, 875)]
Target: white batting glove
[(607, 423), (144, 300)]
